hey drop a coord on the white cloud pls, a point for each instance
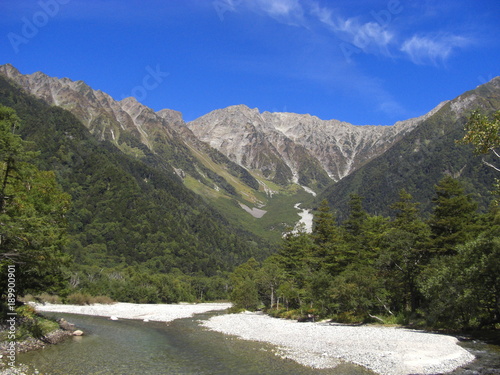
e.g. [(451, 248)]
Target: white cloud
[(364, 33), (424, 50), (366, 36), (286, 11), (370, 37)]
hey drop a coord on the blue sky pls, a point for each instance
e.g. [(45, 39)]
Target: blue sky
[(365, 62)]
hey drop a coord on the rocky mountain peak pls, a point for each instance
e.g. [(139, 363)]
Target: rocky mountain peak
[(283, 147), (303, 142), (171, 116)]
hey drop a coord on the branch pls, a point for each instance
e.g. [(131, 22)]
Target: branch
[(491, 165), (376, 317), (385, 307)]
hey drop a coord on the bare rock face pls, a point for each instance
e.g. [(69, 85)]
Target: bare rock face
[(298, 144), (282, 147), (104, 117)]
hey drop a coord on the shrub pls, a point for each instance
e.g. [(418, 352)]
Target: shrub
[(105, 300), (48, 298), (79, 299), (27, 298)]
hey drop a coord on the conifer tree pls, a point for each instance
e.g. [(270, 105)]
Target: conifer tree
[(357, 216), (325, 229), (330, 253), (405, 252), (453, 218)]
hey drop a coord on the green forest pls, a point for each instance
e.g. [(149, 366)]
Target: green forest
[(116, 225), (440, 271), (443, 272), (84, 222)]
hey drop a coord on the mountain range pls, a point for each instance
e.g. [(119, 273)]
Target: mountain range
[(244, 161)]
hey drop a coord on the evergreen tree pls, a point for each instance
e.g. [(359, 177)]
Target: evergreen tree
[(331, 252), (405, 253), (325, 227), (357, 216), (453, 218)]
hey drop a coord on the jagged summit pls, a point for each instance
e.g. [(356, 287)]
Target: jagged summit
[(283, 147), (297, 147)]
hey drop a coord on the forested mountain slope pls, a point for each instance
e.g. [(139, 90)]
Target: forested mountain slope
[(126, 210), (422, 158), (136, 129)]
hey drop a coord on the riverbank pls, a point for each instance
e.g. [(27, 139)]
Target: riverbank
[(121, 310), (29, 344), (384, 350)]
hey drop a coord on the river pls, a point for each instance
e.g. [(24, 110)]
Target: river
[(183, 347), (306, 219)]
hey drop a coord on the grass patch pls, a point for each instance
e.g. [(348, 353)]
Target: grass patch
[(281, 214)]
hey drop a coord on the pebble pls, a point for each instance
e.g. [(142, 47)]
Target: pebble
[(384, 350)]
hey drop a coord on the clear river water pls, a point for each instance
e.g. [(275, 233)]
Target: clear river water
[(130, 347)]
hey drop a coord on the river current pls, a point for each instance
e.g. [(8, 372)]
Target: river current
[(126, 347)]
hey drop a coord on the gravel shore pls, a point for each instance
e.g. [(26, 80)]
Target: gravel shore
[(159, 313), (384, 350)]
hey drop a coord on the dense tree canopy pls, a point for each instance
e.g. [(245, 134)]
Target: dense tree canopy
[(440, 272), (32, 214)]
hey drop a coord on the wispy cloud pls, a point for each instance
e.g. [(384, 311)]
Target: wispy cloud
[(370, 37), (289, 12), (366, 32), (425, 50)]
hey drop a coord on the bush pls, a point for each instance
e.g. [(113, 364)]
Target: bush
[(105, 300), (48, 298), (32, 324), (27, 298), (79, 299)]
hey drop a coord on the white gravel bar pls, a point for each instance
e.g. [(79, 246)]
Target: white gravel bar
[(159, 312), (384, 350)]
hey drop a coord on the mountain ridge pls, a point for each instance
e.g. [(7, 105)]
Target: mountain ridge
[(239, 153), (423, 157), (339, 147), (285, 148)]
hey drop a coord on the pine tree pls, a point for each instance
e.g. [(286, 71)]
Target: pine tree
[(325, 227), (453, 218), (405, 252)]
